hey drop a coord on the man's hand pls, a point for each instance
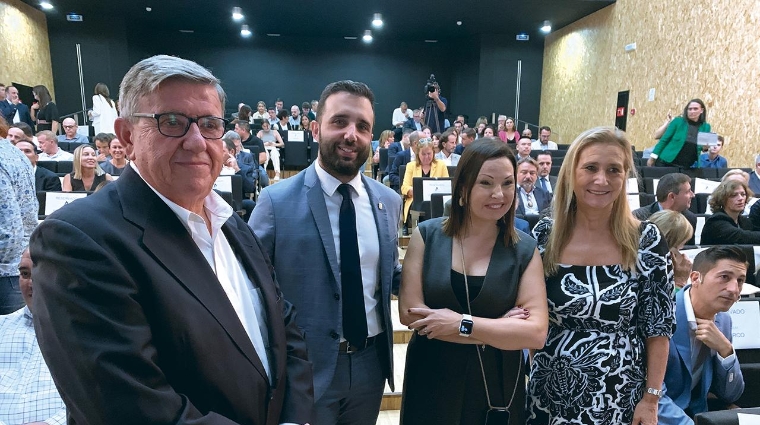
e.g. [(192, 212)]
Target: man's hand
[(682, 267), (410, 194), (712, 337), (650, 162), (101, 157), (232, 163), (435, 95)]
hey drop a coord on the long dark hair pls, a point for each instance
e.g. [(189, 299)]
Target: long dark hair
[(702, 116), (102, 89), (43, 94), (469, 166)]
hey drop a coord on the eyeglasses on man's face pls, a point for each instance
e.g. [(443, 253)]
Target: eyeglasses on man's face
[(172, 124)]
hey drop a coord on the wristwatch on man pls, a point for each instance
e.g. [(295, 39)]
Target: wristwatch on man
[(465, 326)]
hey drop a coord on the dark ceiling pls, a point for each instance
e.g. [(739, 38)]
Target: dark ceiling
[(404, 19)]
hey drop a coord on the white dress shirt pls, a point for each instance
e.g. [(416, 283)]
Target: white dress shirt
[(245, 299), (536, 145), (369, 243), (528, 199), (27, 391), (400, 117), (61, 155)]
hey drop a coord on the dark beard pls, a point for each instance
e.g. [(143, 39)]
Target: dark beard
[(332, 162)]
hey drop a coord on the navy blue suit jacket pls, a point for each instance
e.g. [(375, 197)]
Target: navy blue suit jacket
[(8, 111), (402, 158), (543, 199)]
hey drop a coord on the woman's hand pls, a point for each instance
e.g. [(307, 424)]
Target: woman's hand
[(436, 323), (682, 268), (518, 313), (410, 193), (646, 411), (650, 162)]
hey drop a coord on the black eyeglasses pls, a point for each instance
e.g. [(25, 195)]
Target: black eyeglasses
[(173, 124)]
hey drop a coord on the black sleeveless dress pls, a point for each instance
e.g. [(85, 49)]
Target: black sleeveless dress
[(443, 383), (77, 185)]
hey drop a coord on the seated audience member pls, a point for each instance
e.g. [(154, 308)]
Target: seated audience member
[(247, 140), (27, 392), (754, 216), (740, 176), (448, 146), (19, 132), (272, 116), (272, 143), (244, 158), (437, 142), (70, 132), (261, 111), (231, 167), (295, 116), (386, 139), (283, 124), (545, 181), (102, 143), (677, 231), (244, 114), (306, 110), (44, 179), (510, 133), (395, 147), (754, 178), (701, 358), (523, 149), (118, 161), (424, 165), (427, 133), (489, 131), (415, 122), (468, 136), (304, 126), (726, 225), (543, 143), (22, 113), (712, 158), (50, 150), (673, 193), (527, 134), (403, 158), (533, 199), (87, 175)]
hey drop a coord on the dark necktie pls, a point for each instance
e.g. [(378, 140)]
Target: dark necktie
[(543, 183), (354, 314)]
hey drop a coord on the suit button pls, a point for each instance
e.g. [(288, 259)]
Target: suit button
[(337, 296), (334, 335)]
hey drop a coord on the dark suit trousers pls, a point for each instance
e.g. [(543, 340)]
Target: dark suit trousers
[(355, 393)]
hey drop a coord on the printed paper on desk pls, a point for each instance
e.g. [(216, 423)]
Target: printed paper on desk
[(632, 185), (746, 419), (749, 289), (633, 201), (745, 315), (223, 184), (55, 200), (295, 136), (707, 139), (430, 187), (704, 185)]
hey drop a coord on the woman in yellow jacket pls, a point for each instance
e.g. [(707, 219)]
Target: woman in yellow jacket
[(424, 165)]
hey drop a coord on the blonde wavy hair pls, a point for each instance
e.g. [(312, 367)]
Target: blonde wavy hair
[(624, 227)]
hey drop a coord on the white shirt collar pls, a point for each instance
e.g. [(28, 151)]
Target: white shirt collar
[(689, 309), (330, 184), (218, 210)]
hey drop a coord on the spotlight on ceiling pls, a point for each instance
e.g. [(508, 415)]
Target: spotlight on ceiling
[(245, 31), (45, 5), (367, 37), (377, 20), (547, 28), (237, 13)]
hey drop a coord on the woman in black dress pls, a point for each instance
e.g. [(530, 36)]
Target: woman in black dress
[(462, 275), (44, 111), (727, 225), (87, 175)]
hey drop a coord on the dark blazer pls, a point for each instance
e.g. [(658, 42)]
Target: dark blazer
[(23, 114), (393, 150), (754, 183), (292, 221), (46, 180), (543, 199), (754, 216), (136, 328), (721, 229), (646, 211), (409, 124), (7, 110), (728, 385), (402, 158)]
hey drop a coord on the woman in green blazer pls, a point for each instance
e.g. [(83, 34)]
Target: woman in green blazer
[(678, 146)]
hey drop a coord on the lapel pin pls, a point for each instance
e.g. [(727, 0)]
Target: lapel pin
[(380, 205)]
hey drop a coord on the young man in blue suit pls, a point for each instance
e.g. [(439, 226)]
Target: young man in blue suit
[(332, 236), (701, 356)]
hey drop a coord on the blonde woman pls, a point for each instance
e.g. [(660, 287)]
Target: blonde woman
[(424, 165), (609, 289), (676, 230), (87, 175)]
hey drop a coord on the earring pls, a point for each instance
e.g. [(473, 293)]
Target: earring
[(461, 201)]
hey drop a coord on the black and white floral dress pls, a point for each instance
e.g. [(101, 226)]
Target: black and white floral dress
[(592, 369)]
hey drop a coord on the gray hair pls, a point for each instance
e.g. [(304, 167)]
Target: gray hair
[(145, 77), (229, 139)]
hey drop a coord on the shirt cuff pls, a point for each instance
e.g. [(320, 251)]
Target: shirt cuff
[(654, 155), (728, 362)]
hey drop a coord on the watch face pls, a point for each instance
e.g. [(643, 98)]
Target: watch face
[(465, 327)]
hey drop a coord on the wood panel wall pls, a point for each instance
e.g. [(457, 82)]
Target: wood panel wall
[(708, 49)]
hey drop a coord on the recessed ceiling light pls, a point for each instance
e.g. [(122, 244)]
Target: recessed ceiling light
[(431, 41), (273, 35), (148, 9), (367, 37), (245, 31), (459, 23), (547, 28), (237, 13), (377, 20), (187, 31), (350, 38), (45, 5)]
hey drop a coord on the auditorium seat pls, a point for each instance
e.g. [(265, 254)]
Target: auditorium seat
[(65, 167), (452, 170), (723, 417), (383, 164), (657, 172), (50, 165)]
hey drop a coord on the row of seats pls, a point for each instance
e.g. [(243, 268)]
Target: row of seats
[(59, 167), (71, 146)]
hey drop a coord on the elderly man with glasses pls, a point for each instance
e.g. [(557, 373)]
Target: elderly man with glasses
[(70, 134), (169, 309)]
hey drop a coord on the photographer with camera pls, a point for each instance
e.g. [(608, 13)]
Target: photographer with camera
[(435, 106)]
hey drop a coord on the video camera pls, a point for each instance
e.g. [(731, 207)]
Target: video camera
[(431, 85)]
